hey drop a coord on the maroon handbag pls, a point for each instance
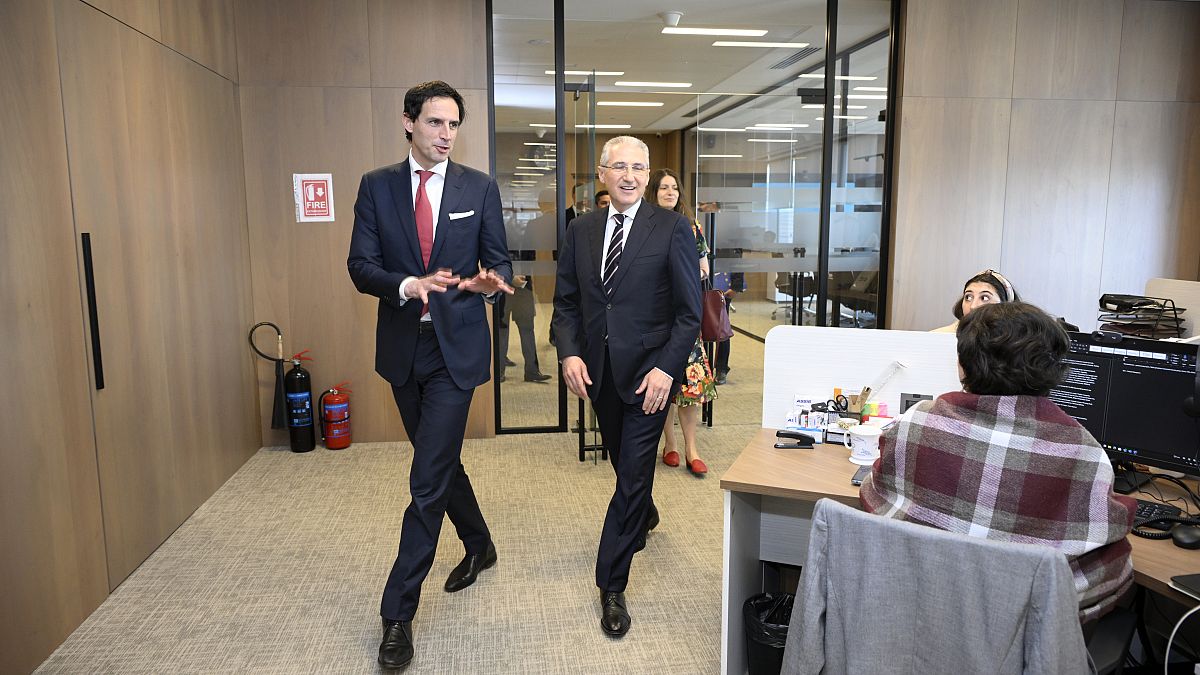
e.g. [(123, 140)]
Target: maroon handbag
[(714, 325)]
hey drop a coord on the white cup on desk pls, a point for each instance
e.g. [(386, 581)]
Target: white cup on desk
[(863, 441)]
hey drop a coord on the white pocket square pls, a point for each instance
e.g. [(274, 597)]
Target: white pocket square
[(464, 214)]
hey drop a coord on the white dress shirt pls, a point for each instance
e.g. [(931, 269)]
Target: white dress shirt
[(433, 190), (610, 225)]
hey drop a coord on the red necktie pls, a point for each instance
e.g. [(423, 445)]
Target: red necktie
[(424, 213)]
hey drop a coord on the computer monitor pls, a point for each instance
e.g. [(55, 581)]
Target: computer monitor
[(1129, 393)]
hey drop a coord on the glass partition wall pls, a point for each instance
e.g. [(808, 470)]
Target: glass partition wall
[(786, 172)]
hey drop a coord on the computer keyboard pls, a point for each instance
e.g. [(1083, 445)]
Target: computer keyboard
[(1147, 509)]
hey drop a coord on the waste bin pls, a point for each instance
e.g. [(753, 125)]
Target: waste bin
[(767, 616)]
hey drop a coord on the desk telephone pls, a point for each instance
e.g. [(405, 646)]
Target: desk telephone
[(1163, 521)]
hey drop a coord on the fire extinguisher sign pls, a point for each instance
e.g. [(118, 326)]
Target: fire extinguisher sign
[(314, 197)]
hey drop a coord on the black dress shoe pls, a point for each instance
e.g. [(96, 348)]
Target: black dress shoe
[(614, 618), (509, 363), (466, 572), (537, 377), (652, 519), (396, 650)]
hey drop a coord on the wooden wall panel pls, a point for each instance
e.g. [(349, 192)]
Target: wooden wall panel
[(303, 42), (1153, 224), (153, 143), (300, 278), (959, 48), (1065, 49), (141, 15), (202, 30), (1054, 212), (399, 30), (1160, 52), (215, 414), (949, 203), (53, 567), (114, 74)]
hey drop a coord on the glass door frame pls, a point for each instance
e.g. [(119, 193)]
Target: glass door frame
[(832, 59)]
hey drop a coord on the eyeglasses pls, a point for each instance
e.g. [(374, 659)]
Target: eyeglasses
[(622, 167)]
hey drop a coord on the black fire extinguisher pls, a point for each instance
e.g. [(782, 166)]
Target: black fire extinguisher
[(298, 385)]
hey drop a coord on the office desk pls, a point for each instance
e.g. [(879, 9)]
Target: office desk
[(769, 499)]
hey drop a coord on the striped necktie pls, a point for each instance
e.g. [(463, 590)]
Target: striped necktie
[(612, 259)]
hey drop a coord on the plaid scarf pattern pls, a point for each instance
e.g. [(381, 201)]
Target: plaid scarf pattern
[(1009, 468)]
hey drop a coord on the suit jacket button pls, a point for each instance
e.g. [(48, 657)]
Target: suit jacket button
[(609, 306)]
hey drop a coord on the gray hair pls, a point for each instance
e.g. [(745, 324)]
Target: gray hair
[(622, 140)]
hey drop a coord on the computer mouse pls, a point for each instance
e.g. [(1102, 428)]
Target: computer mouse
[(1186, 536)]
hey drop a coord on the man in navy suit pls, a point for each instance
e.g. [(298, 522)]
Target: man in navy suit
[(626, 314), (429, 242)]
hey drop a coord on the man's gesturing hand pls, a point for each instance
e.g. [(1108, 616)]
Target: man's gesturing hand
[(486, 282), (437, 282), (575, 373)]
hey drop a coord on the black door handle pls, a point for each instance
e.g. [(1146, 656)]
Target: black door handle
[(90, 281)]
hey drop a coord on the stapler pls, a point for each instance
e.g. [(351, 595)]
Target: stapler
[(802, 441)]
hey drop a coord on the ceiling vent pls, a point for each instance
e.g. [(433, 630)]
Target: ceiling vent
[(791, 60)]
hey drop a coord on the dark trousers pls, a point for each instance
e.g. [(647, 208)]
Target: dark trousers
[(631, 438), (434, 411), (529, 353)]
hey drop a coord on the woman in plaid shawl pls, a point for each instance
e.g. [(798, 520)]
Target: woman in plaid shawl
[(1000, 460)]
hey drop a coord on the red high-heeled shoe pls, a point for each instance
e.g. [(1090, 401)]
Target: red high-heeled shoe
[(671, 458), (697, 467)]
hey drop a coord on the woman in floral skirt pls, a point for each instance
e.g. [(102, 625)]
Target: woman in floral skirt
[(663, 190)]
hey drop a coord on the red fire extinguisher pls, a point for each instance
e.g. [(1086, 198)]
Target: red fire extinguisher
[(335, 417)]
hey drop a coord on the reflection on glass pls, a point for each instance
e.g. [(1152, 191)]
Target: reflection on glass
[(526, 161)]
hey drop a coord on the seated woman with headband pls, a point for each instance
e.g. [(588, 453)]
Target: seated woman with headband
[(985, 288)]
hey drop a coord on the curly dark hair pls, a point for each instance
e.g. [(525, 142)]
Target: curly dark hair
[(1011, 348), (656, 179), (993, 279), (414, 100)]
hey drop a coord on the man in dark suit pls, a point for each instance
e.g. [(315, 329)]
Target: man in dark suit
[(626, 314), (429, 242)]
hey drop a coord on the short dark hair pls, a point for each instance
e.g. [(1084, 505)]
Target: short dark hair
[(656, 179), (414, 100), (1011, 348), (992, 279), (602, 193)]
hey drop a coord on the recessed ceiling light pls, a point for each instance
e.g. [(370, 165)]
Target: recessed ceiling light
[(602, 126), (780, 126), (733, 32), (534, 159), (543, 126), (632, 104), (870, 89), (881, 97), (849, 117), (538, 175), (857, 78), (547, 145), (614, 73), (769, 45), (772, 140), (679, 85), (718, 129), (719, 156)]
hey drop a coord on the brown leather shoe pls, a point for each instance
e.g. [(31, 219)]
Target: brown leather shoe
[(468, 570)]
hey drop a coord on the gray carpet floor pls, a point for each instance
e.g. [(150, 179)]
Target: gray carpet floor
[(281, 570)]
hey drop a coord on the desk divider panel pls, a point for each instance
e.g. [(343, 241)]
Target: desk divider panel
[(813, 360)]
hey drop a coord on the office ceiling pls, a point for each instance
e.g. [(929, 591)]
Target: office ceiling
[(625, 36)]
